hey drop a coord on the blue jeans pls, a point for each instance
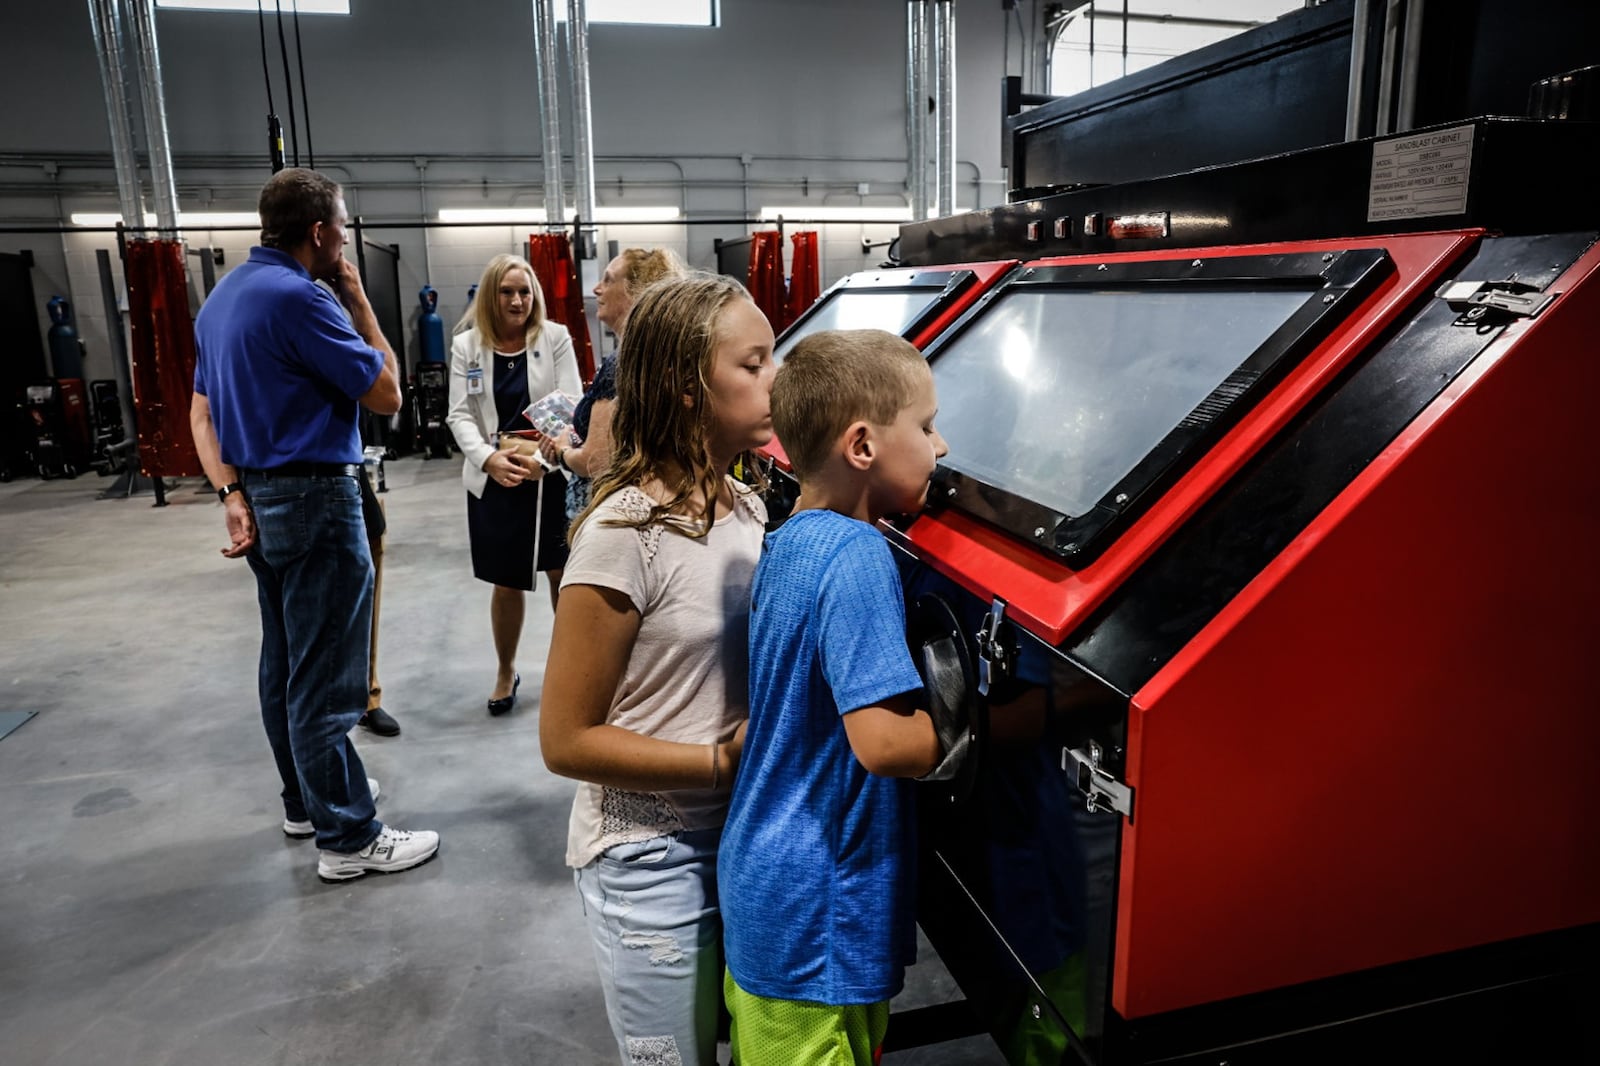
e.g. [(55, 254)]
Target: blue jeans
[(314, 581), (652, 911)]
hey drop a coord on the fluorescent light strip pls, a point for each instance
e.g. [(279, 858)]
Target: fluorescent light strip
[(819, 213), (537, 215), (192, 219)]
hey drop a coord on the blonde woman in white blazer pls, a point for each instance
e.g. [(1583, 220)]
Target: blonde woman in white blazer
[(509, 357)]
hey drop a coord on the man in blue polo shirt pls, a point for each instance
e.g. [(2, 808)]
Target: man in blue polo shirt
[(279, 373)]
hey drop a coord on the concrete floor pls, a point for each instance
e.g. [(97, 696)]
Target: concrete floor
[(152, 912)]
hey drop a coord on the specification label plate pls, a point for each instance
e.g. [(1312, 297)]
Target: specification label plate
[(1420, 175)]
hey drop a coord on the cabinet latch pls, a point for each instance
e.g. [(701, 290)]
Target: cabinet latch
[(1103, 792), (1493, 302)]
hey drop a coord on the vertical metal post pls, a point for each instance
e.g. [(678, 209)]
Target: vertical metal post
[(106, 21), (119, 348), (945, 60), (1124, 38), (1410, 59), (361, 249), (147, 54), (1355, 100), (1394, 14), (917, 107), (582, 127), (544, 56)]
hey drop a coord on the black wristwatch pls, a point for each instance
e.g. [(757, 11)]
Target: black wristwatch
[(229, 489)]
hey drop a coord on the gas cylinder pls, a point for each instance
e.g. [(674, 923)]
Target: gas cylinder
[(66, 348), (430, 327)]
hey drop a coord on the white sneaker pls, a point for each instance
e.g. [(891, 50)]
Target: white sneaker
[(302, 830), (393, 851)]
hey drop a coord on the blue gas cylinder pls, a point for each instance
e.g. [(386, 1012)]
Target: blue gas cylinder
[(430, 327), (66, 350)]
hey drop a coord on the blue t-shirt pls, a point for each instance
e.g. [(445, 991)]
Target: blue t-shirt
[(281, 366), (815, 873)]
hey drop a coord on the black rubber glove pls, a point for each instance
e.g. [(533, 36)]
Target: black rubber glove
[(945, 686)]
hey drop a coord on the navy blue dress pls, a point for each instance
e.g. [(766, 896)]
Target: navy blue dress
[(603, 387), (501, 523)]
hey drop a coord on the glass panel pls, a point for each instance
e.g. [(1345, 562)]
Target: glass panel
[(892, 311), (1055, 395), (1096, 45)]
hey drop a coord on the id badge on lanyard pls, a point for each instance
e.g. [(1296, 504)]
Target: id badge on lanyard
[(475, 381)]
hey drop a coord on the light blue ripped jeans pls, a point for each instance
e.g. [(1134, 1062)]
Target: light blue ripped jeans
[(652, 911)]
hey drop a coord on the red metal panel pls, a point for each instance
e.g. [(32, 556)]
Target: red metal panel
[(986, 275), (1385, 747), (1049, 599)]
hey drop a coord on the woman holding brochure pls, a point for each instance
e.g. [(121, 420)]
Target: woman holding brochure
[(516, 509)]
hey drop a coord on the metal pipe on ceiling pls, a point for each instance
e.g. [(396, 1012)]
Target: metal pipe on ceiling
[(147, 56), (582, 126), (945, 78), (544, 56), (106, 21), (916, 107)]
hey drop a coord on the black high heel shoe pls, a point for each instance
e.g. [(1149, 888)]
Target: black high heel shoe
[(504, 704)]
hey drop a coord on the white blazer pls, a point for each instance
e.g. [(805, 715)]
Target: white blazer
[(473, 420)]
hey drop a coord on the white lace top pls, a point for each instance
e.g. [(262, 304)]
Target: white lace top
[(687, 676)]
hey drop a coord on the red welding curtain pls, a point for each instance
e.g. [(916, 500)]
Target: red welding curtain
[(163, 357), (766, 276), (783, 302), (805, 276), (550, 255)]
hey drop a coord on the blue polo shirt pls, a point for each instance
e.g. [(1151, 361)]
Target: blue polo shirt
[(281, 366)]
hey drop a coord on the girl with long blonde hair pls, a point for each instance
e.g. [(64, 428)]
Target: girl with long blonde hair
[(645, 690)]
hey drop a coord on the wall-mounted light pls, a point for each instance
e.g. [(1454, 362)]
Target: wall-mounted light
[(821, 213), (602, 215), (189, 219)]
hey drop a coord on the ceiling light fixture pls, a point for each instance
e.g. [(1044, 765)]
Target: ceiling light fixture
[(602, 215), (190, 219), (823, 213)]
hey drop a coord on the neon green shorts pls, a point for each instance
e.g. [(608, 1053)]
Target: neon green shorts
[(783, 1032)]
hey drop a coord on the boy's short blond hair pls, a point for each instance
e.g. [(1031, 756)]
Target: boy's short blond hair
[(835, 377)]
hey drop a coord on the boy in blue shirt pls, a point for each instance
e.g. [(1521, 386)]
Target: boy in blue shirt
[(815, 872)]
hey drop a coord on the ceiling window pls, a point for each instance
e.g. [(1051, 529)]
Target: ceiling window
[(1094, 43), (305, 7), (647, 12), (636, 12)]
